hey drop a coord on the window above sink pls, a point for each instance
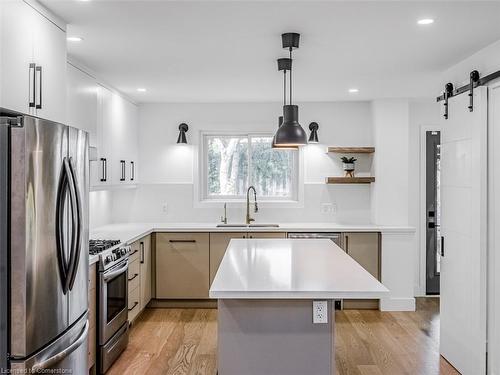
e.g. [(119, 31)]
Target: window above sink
[(231, 162)]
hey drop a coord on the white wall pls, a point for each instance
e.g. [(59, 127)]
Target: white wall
[(100, 208), (485, 61), (168, 171), (391, 136)]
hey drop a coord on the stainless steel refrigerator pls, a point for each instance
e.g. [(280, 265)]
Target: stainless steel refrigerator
[(44, 175)]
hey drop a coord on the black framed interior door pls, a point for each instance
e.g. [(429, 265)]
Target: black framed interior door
[(432, 208)]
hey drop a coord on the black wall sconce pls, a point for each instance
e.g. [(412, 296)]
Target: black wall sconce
[(183, 128), (313, 137)]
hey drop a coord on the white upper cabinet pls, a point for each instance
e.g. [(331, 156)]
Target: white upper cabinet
[(82, 102), (33, 62), (117, 141)]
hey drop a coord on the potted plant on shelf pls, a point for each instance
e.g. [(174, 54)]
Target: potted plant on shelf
[(348, 164)]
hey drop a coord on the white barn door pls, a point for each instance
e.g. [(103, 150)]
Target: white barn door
[(464, 228)]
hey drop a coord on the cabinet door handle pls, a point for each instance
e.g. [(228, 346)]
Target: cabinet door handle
[(32, 84), (122, 162), (142, 252), (135, 251), (442, 246), (347, 244), (104, 172), (133, 307), (133, 277), (182, 241), (132, 171), (38, 70)]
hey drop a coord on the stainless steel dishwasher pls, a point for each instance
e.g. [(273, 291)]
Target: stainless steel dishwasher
[(335, 237)]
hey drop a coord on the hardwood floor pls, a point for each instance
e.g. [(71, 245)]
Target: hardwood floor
[(184, 342)]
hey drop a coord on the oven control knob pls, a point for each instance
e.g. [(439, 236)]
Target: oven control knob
[(107, 260), (123, 251)]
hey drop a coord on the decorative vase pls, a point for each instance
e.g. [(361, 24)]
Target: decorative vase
[(348, 169)]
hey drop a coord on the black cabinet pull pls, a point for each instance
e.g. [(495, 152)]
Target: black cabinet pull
[(133, 307), (442, 246), (132, 171), (135, 251), (133, 277), (142, 252), (32, 84), (122, 162), (104, 172), (182, 241), (38, 70)]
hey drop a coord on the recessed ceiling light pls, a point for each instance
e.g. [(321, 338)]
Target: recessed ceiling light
[(74, 39), (140, 89), (353, 91), (425, 21)]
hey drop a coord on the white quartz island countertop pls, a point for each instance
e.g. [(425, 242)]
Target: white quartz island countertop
[(291, 269)]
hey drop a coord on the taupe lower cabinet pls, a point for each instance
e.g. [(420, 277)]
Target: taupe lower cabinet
[(139, 277), (182, 265), (364, 248)]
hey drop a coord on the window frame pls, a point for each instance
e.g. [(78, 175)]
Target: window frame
[(201, 188)]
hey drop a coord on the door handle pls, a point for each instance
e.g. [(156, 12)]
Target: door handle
[(104, 172), (132, 171), (38, 71), (442, 246), (142, 252), (32, 85), (122, 162), (63, 354), (182, 241), (133, 277)]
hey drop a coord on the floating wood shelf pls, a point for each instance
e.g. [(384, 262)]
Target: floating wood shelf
[(352, 150), (350, 180)]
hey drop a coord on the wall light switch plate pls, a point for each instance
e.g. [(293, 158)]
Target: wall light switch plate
[(320, 312), (328, 208), (164, 208)]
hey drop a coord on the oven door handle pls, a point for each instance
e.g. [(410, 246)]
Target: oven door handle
[(117, 272)]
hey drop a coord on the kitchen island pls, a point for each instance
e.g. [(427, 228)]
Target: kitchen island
[(266, 289)]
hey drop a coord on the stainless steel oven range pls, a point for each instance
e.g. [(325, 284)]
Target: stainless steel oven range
[(112, 335)]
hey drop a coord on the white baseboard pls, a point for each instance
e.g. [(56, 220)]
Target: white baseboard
[(397, 304)]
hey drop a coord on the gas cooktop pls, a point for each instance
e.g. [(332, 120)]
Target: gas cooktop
[(98, 246)]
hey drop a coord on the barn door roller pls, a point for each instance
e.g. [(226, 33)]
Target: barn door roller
[(448, 91), (474, 78)]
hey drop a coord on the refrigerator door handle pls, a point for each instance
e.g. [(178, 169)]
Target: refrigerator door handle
[(77, 230), (60, 241), (50, 362)]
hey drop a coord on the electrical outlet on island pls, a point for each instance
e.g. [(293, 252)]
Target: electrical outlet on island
[(320, 312)]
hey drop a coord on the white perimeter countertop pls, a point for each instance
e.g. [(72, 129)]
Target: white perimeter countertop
[(131, 232), (291, 269)]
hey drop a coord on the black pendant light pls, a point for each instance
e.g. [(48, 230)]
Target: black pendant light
[(183, 128), (277, 147), (290, 133), (313, 137)]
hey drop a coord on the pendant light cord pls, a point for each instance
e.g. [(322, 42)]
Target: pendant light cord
[(284, 87), (291, 62)]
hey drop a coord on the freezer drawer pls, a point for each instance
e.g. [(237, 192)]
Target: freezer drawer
[(67, 352)]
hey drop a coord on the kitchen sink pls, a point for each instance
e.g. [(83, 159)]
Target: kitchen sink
[(258, 225), (232, 226)]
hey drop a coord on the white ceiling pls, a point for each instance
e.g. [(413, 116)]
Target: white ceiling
[(221, 51)]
